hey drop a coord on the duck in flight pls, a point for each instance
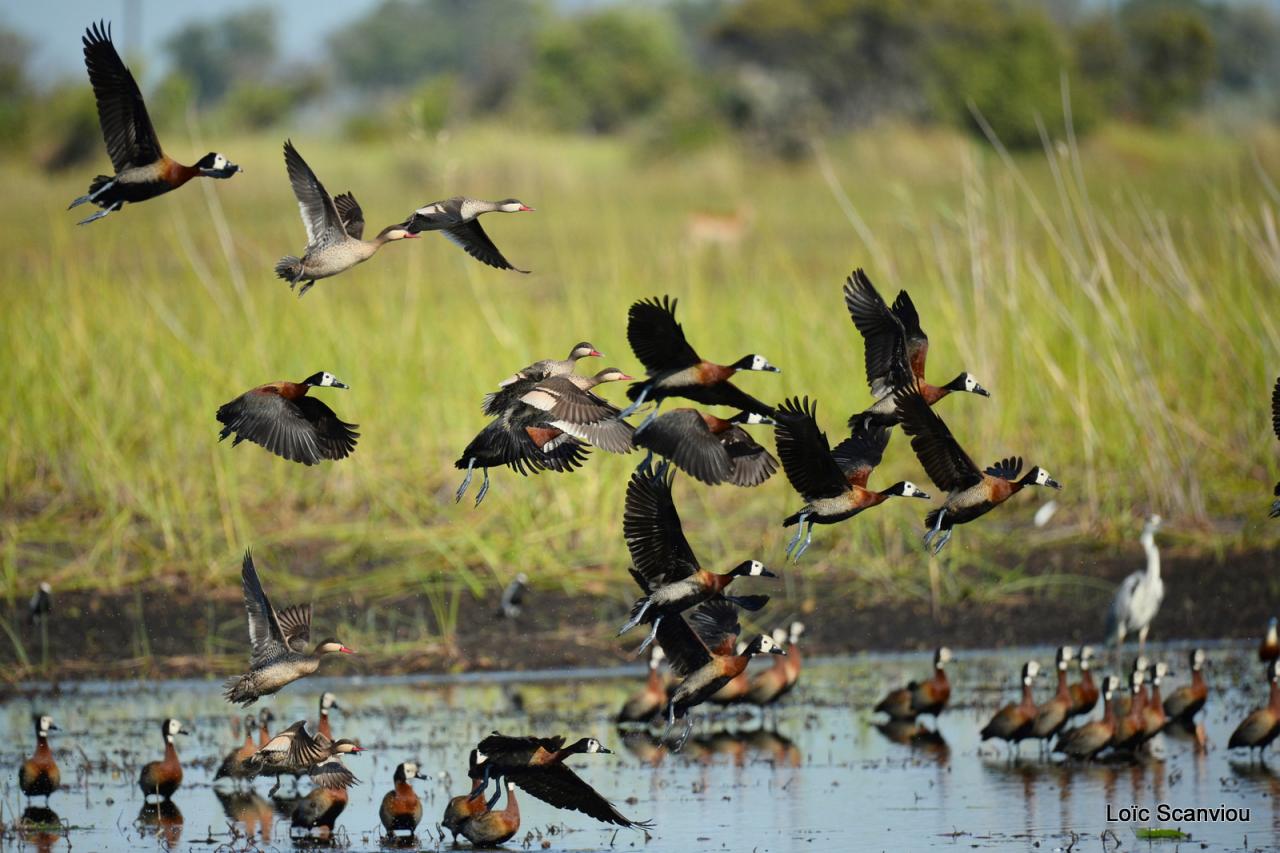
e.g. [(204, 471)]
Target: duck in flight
[(282, 418), (278, 640), (458, 220), (142, 169)]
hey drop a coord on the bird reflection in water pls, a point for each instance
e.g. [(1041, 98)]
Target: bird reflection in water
[(249, 811), (925, 741), (162, 820), (41, 828)]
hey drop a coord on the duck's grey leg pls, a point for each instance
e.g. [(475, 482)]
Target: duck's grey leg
[(795, 540), (484, 783), (807, 539), (303, 291), (946, 537), (631, 410), (653, 635), (484, 488), (466, 481), (684, 737), (937, 526), (646, 464), (635, 620), (101, 213), (649, 418)]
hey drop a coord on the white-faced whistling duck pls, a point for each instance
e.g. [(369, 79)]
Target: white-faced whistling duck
[(41, 603), (896, 348), (1013, 722), (1275, 426), (1138, 599), (708, 448), (457, 219), (1260, 728), (1269, 648), (142, 169), (233, 767), (522, 381), (1130, 726), (971, 492), (1086, 741), (736, 689), (490, 828), (39, 775), (1052, 715), (646, 704), (459, 808), (1124, 699), (1084, 693), (161, 778), (282, 418), (921, 697), (278, 643), (1153, 715), (328, 702), (536, 765), (571, 407), (1183, 704), (833, 483), (401, 810), (704, 656), (674, 369), (319, 809), (768, 686), (794, 659), (295, 751), (664, 564), (335, 229)]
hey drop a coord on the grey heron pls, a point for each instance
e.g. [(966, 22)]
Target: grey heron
[(1138, 599)]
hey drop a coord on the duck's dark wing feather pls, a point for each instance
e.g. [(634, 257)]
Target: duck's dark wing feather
[(304, 430), (495, 744), (266, 640), (656, 338), (295, 626), (804, 451), (861, 452), (684, 650), (651, 527), (944, 460), (683, 437), (1006, 469), (559, 786), (470, 237), (332, 774), (564, 401), (883, 335), (319, 215), (715, 621), (126, 127), (350, 213), (917, 341), (307, 751), (752, 464)]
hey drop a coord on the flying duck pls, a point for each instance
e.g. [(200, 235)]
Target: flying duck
[(335, 229), (572, 408), (674, 369), (39, 775), (522, 381), (457, 219), (295, 751), (896, 348), (665, 566), (278, 640), (833, 483), (282, 418), (161, 778), (701, 651), (971, 492), (142, 169), (710, 449), (523, 439)]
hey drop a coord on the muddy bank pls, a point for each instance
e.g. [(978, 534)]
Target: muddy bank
[(1057, 598)]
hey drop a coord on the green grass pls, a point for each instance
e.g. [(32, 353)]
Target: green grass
[(1118, 300)]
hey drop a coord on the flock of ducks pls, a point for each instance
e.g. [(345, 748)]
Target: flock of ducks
[(546, 417)]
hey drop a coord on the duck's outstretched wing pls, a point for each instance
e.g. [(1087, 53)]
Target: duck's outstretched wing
[(350, 213), (319, 215), (265, 638), (559, 786), (656, 338), (650, 524), (942, 457), (470, 237), (126, 127)]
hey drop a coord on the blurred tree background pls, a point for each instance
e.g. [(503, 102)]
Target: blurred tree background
[(680, 73)]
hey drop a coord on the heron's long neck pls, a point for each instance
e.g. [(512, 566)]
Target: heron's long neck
[(1153, 555)]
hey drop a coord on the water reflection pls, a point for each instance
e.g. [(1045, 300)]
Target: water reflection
[(163, 820), (249, 812), (926, 741), (40, 827)]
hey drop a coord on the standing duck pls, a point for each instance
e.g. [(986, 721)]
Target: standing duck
[(282, 418), (1269, 648), (1137, 601), (1153, 715), (1013, 723), (491, 828), (335, 229), (651, 699), (896, 348), (295, 751), (710, 449), (793, 657), (665, 566), (1052, 715), (571, 407), (1084, 693), (1260, 728), (971, 492), (833, 483), (702, 652), (278, 640), (457, 219), (401, 810), (319, 809), (328, 702), (142, 169), (674, 369), (162, 778), (234, 766), (39, 775), (522, 381), (1085, 742), (921, 697), (1183, 704), (768, 686), (536, 765), (1130, 726)]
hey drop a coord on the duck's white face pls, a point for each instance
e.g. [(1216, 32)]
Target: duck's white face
[(970, 384), (172, 727), (1042, 477), (327, 701), (410, 770), (756, 569), (759, 362), (767, 645), (944, 655), (481, 758), (46, 723), (513, 206), (594, 745), (1033, 669), (1197, 658), (909, 489)]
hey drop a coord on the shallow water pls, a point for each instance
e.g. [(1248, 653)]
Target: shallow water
[(817, 776)]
